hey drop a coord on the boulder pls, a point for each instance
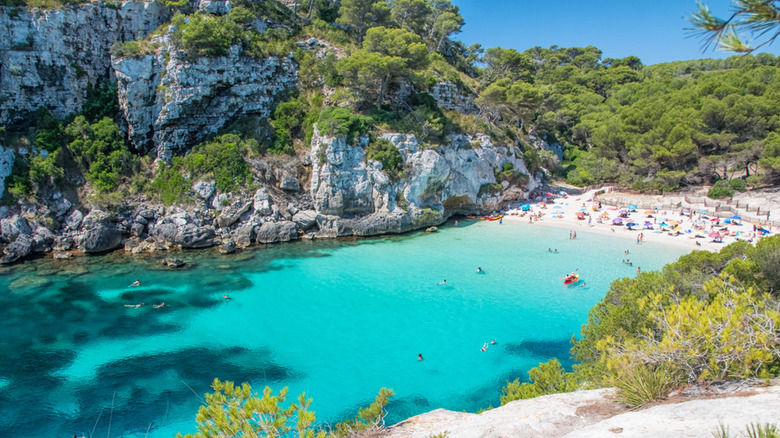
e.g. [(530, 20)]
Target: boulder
[(18, 249), (431, 229), (13, 227), (42, 239), (262, 202), (291, 184), (62, 255), (272, 232), (101, 237), (137, 229), (204, 189), (228, 247), (192, 236), (305, 219), (165, 233), (63, 243), (173, 262), (230, 214), (244, 236)]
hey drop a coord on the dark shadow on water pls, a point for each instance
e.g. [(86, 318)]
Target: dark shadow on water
[(143, 389), (544, 350)]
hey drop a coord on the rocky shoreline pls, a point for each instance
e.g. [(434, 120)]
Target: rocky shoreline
[(348, 195)]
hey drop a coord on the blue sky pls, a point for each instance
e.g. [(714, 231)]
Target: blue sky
[(653, 30)]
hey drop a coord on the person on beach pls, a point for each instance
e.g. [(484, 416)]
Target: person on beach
[(419, 357), (569, 234), (443, 282), (137, 282), (637, 238)]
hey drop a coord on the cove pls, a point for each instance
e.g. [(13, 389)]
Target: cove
[(337, 319)]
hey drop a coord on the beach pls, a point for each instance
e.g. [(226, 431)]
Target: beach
[(682, 225)]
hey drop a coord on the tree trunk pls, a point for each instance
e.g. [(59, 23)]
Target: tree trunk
[(382, 88)]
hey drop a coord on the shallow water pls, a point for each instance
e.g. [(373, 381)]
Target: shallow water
[(338, 320)]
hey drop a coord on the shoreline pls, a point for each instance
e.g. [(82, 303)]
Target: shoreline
[(569, 206)]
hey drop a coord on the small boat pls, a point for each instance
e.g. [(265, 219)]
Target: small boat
[(571, 279)]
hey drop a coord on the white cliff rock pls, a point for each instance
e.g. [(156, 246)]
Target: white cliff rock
[(355, 197), (49, 57), (171, 101)]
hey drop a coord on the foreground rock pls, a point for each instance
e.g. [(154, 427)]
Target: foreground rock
[(586, 414)]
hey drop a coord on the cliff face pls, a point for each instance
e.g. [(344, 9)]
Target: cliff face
[(171, 102), (49, 57), (354, 196)]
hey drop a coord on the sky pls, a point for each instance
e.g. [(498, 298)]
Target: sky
[(653, 30)]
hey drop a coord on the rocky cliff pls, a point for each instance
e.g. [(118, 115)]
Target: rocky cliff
[(347, 196), (697, 412), (48, 58), (171, 102)]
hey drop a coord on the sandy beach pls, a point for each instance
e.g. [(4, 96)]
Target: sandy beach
[(561, 212)]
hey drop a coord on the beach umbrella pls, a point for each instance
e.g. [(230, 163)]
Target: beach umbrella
[(714, 234), (631, 224), (563, 193), (632, 207), (648, 224), (702, 211), (605, 215), (726, 221), (542, 204), (685, 210), (582, 209), (617, 221), (673, 223), (623, 212), (649, 212), (548, 194), (525, 207), (715, 219), (735, 218)]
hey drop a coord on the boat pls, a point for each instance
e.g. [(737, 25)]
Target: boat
[(571, 279), (495, 217)]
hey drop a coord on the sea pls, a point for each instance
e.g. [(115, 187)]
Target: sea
[(336, 319)]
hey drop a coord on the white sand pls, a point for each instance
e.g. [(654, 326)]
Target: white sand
[(572, 204)]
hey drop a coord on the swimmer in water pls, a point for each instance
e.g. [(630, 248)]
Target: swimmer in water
[(225, 296), (443, 282), (157, 306), (493, 342), (135, 306), (137, 282), (479, 270), (484, 347), (419, 357)]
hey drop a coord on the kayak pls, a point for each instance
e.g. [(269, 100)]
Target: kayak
[(494, 217), (572, 279)]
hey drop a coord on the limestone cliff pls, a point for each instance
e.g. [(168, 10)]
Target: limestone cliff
[(353, 196), (171, 102), (49, 57)]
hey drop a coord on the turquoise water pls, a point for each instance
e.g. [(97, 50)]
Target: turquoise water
[(338, 320)]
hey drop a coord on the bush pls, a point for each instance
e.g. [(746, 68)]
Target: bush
[(547, 378), (169, 185), (385, 152), (721, 189), (286, 121), (338, 121), (100, 149), (738, 184), (640, 384), (223, 159)]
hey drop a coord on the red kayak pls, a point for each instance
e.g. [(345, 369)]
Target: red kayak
[(570, 279)]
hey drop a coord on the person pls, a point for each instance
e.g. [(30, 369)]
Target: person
[(549, 249), (157, 306), (637, 238), (137, 282), (582, 284), (569, 234), (574, 236), (556, 251), (456, 222), (493, 342), (638, 270), (626, 252), (697, 243), (443, 282), (500, 221), (479, 270), (419, 357), (135, 306), (225, 296), (484, 347)]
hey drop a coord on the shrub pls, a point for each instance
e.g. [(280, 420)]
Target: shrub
[(721, 189), (286, 121), (547, 378), (338, 121), (223, 159), (640, 384), (100, 149), (169, 185), (385, 152), (738, 184)]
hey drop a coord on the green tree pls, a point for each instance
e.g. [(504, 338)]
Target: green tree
[(359, 15), (751, 19), (547, 378), (386, 54), (410, 15)]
